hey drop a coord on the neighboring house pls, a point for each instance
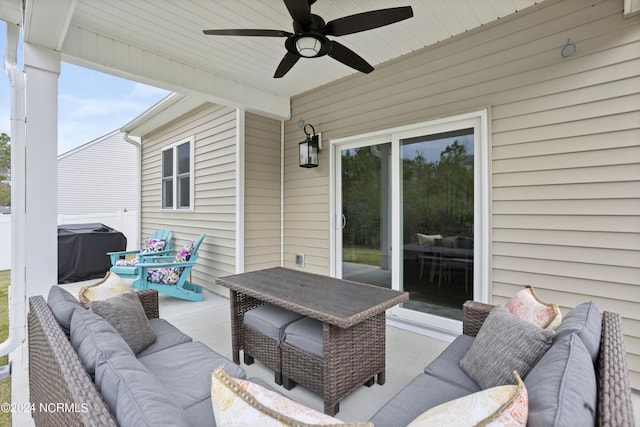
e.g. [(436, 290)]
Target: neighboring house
[(100, 176), (556, 127), (233, 194)]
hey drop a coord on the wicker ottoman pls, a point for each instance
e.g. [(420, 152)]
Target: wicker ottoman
[(302, 354), (264, 328), (303, 360)]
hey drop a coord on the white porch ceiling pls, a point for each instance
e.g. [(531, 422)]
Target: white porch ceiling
[(161, 41)]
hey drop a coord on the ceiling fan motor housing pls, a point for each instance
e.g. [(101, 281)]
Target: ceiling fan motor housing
[(308, 30)]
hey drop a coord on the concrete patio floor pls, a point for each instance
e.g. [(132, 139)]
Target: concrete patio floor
[(209, 322)]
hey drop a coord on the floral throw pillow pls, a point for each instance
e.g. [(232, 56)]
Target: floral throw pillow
[(153, 245), (506, 405), (171, 275), (149, 247), (527, 306), (185, 253), (240, 403)]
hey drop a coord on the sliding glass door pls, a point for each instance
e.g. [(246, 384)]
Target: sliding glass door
[(365, 215), (411, 215), (437, 211)]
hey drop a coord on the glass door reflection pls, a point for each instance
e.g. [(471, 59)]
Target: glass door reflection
[(366, 214), (437, 209)]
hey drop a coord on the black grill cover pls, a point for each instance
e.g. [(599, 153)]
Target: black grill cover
[(82, 251)]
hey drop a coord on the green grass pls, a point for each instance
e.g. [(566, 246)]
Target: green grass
[(361, 255), (5, 385)]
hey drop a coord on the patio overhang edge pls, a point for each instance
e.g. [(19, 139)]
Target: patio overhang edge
[(95, 51)]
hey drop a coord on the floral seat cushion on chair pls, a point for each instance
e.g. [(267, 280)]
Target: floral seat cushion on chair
[(171, 275), (149, 247)]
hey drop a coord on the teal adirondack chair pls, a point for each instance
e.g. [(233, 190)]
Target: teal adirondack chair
[(168, 274), (127, 268)]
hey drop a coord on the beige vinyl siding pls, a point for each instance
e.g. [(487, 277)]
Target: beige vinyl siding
[(564, 149), (98, 177), (262, 176), (214, 212)]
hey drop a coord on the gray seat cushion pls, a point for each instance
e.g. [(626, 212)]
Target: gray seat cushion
[(270, 320), (135, 396), (201, 414), (585, 320), (562, 386), (62, 305), (167, 336), (185, 371), (94, 339), (306, 334), (422, 393), (446, 366)]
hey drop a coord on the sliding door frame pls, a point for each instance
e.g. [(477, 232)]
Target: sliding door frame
[(479, 120)]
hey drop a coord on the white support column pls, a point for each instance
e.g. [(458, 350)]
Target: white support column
[(42, 68), (240, 165)]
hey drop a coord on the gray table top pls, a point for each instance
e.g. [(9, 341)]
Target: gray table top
[(342, 303)]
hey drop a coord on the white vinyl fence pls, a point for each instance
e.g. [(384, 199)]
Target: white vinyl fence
[(125, 222)]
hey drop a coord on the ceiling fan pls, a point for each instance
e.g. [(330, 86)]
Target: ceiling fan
[(309, 38)]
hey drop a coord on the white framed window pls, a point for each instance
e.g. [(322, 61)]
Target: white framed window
[(177, 175)]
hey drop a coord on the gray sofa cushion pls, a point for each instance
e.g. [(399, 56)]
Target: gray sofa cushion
[(185, 371), (562, 386), (447, 365), (306, 334), (422, 393), (167, 336), (585, 320), (94, 339), (135, 396), (504, 344), (270, 320), (200, 414), (62, 305), (126, 314)]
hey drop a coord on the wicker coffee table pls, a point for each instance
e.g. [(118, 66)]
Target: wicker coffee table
[(353, 316)]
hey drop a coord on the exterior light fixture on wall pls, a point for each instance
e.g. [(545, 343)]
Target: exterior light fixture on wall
[(309, 148)]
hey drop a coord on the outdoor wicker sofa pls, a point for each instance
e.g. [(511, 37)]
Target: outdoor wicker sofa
[(167, 383), (444, 380)]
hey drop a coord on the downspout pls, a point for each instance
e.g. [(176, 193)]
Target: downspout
[(17, 288), (138, 145)]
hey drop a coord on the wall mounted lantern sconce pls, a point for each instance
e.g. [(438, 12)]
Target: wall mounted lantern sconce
[(309, 149)]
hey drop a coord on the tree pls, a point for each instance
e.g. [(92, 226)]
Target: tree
[(5, 169), (438, 194)]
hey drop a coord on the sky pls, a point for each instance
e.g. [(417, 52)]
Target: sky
[(90, 104)]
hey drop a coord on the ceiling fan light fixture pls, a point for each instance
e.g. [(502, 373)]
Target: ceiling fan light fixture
[(308, 46)]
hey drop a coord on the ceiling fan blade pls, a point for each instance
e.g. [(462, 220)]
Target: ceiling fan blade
[(300, 10), (348, 57), (287, 62), (252, 33), (366, 21)]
